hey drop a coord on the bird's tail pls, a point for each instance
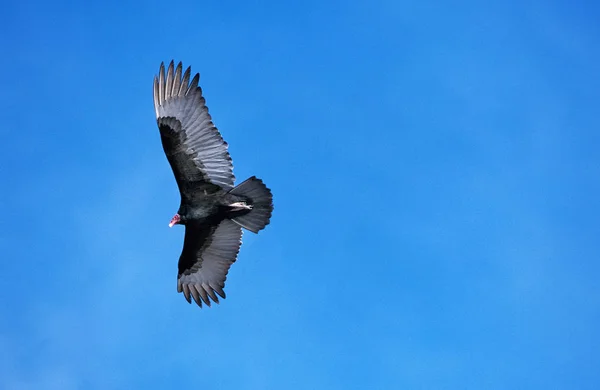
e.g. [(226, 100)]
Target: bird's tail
[(261, 200)]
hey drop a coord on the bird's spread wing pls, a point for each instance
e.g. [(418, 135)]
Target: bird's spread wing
[(193, 145), (208, 252)]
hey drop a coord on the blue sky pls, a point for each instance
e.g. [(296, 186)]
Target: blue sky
[(435, 173)]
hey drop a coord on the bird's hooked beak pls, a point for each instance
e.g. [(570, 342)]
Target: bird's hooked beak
[(174, 220)]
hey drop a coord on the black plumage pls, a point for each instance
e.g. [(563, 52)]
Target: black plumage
[(212, 209)]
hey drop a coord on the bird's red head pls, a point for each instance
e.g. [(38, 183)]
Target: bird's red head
[(175, 220)]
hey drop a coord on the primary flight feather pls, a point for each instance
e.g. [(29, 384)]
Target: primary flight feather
[(212, 209)]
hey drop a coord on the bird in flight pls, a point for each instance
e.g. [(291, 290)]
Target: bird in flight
[(212, 209)]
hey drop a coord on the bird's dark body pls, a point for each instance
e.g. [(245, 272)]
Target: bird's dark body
[(201, 201), (211, 208)]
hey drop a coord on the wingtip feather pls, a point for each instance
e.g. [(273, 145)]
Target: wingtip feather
[(193, 84), (185, 81), (186, 293), (155, 94), (169, 80), (161, 82), (196, 297), (203, 294), (177, 80)]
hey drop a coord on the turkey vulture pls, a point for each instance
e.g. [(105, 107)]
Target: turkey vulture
[(212, 209)]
